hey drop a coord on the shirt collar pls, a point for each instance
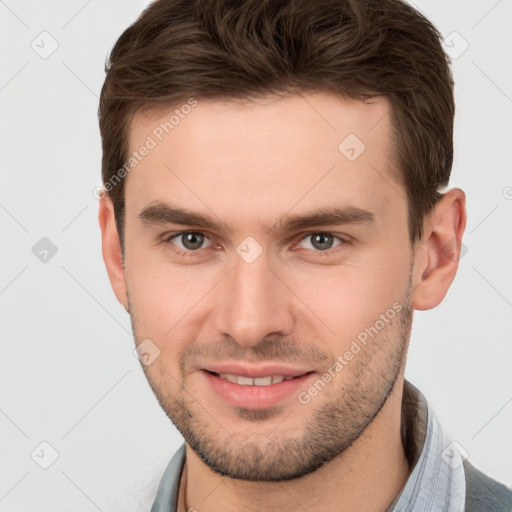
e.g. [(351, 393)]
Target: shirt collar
[(167, 495), (437, 480)]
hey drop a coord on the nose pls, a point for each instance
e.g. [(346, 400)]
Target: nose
[(253, 303)]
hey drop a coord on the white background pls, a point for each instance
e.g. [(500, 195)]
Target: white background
[(67, 372)]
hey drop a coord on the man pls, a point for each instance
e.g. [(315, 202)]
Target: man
[(273, 215)]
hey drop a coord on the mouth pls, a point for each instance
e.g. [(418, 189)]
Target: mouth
[(256, 388)]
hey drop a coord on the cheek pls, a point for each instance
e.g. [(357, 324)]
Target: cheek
[(347, 299), (164, 297)]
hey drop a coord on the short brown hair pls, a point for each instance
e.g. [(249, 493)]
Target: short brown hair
[(242, 49)]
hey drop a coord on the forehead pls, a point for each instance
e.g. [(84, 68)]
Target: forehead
[(265, 156)]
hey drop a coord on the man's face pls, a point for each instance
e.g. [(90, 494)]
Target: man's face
[(255, 297)]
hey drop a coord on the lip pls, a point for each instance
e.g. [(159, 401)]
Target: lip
[(256, 397)]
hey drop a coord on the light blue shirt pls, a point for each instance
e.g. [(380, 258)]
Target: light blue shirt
[(436, 483)]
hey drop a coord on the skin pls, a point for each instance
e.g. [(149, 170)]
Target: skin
[(249, 165)]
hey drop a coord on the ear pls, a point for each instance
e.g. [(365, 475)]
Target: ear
[(111, 249), (437, 253)]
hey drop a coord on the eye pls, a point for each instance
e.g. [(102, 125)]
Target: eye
[(189, 241), (320, 241)]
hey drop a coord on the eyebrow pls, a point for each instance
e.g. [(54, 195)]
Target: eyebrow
[(162, 213)]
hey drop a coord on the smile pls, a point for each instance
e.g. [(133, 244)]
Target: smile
[(261, 390)]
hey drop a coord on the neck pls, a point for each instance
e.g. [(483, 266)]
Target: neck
[(366, 477)]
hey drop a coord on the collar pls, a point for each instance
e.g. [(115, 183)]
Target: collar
[(437, 480)]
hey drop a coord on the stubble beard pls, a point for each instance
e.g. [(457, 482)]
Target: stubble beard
[(354, 402)]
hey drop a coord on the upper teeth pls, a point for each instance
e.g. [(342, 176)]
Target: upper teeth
[(258, 381)]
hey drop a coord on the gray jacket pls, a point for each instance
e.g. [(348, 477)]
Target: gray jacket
[(483, 494)]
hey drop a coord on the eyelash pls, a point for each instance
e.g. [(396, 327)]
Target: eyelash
[(344, 239)]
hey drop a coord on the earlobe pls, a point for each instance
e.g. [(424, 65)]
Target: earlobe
[(111, 249), (437, 254)]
